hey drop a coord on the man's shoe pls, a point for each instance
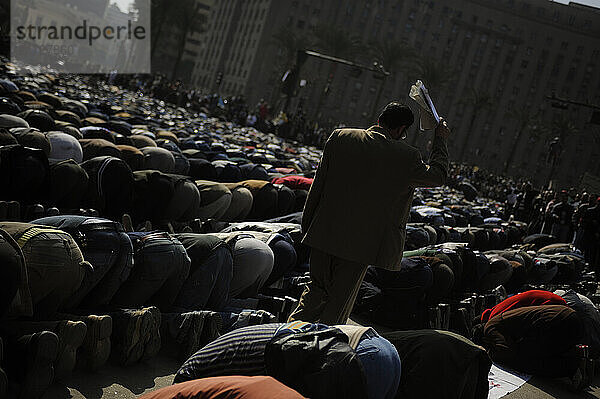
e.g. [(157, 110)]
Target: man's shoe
[(3, 211), (290, 305), (70, 336), (187, 329), (445, 315), (95, 350), (153, 340), (213, 325), (131, 328), (272, 304), (13, 212), (40, 353)]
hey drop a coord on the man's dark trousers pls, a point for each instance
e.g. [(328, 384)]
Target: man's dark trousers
[(330, 295)]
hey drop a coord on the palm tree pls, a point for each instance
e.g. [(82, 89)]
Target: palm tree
[(435, 74), (289, 42), (158, 17), (395, 56), (562, 128), (528, 122), (478, 101), (335, 41)]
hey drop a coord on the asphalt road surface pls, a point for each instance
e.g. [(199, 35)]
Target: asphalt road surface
[(113, 382)]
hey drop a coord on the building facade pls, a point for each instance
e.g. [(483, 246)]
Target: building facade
[(166, 50), (502, 59)]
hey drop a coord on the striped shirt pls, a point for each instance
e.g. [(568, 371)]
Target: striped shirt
[(239, 352)]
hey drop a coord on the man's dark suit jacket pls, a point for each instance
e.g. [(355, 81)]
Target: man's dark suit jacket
[(360, 199)]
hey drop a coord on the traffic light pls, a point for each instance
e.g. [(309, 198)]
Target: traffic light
[(219, 78)]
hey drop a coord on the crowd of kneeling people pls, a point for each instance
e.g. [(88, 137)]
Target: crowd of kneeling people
[(129, 226)]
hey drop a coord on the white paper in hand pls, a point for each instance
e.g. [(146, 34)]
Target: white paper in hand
[(429, 117)]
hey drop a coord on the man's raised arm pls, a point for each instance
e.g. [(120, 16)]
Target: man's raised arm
[(435, 173)]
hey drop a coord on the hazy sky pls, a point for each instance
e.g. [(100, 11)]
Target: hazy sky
[(124, 4), (593, 3)]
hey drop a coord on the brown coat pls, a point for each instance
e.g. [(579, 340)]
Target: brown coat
[(359, 202)]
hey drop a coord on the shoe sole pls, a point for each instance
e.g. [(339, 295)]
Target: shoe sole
[(71, 337), (193, 342), (153, 341), (132, 346), (213, 324), (46, 352), (14, 211), (99, 329)]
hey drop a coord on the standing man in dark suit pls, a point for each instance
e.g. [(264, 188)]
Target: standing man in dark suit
[(358, 206)]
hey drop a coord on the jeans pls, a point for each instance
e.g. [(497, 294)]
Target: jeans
[(285, 259), (215, 199), (111, 255), (185, 203), (207, 288), (241, 204), (161, 266), (381, 363), (252, 264), (55, 269), (107, 247)]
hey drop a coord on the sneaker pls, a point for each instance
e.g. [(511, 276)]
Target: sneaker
[(70, 335), (131, 328), (40, 351), (95, 350), (153, 340)]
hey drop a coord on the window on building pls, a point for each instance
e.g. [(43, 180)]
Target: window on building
[(300, 24)]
